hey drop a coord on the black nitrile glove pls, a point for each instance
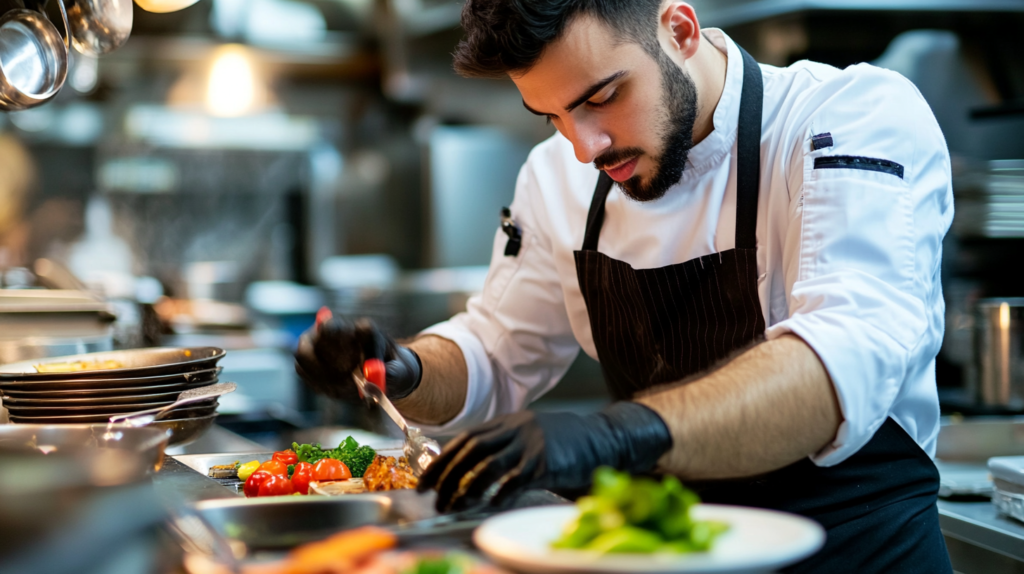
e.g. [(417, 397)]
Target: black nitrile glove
[(545, 450), (328, 353)]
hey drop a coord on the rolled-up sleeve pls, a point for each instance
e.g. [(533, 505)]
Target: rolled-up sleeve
[(863, 249), (515, 335)]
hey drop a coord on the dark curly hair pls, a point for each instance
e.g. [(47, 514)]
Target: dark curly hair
[(504, 36)]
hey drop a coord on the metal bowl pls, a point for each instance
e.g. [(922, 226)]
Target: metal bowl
[(137, 363), (90, 443), (33, 59), (284, 522)]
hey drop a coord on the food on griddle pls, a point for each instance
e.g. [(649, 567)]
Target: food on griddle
[(227, 471), (387, 473), (638, 516), (311, 469), (78, 366)]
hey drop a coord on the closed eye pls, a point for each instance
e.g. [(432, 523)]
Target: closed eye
[(611, 98)]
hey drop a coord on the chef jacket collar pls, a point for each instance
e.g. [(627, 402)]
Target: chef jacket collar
[(714, 149)]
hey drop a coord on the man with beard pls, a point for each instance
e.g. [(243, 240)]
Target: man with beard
[(761, 287)]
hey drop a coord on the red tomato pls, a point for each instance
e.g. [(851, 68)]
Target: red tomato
[(252, 484), (302, 476), (276, 485), (274, 467), (286, 456), (330, 469)]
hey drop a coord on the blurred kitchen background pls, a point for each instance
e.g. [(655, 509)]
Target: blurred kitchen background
[(240, 163)]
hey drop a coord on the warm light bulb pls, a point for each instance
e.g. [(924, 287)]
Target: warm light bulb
[(231, 89), (162, 6)]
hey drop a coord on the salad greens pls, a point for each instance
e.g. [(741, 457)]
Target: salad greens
[(356, 458), (638, 515)]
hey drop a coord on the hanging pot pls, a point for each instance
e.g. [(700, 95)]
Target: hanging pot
[(99, 26), (33, 56)]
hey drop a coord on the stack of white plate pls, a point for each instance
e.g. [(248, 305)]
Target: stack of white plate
[(44, 391)]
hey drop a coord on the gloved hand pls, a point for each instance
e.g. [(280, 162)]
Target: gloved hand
[(545, 450), (329, 352)]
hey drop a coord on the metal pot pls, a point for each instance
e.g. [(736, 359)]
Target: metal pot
[(99, 26), (999, 353), (33, 56)]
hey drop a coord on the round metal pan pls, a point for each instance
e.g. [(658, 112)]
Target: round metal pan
[(89, 388), (183, 430), (65, 416), (137, 363), (113, 400)]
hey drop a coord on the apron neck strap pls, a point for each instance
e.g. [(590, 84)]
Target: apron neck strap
[(748, 166), (748, 147)]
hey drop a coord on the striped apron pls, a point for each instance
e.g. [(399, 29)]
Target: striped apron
[(657, 326)]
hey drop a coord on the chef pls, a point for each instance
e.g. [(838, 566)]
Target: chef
[(752, 253)]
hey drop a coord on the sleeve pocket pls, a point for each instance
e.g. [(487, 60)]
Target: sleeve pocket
[(857, 222)]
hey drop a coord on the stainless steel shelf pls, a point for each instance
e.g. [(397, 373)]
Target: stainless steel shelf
[(722, 13)]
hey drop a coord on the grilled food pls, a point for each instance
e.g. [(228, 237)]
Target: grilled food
[(387, 473)]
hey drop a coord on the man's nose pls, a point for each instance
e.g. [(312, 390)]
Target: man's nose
[(589, 141)]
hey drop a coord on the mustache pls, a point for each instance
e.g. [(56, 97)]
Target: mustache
[(614, 157)]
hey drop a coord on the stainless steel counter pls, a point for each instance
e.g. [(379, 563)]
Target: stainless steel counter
[(979, 524)]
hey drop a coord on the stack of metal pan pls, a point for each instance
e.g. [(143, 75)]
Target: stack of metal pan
[(48, 391)]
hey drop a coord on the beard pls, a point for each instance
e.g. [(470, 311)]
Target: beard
[(676, 134)]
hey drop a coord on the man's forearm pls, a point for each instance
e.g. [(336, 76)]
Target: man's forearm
[(442, 391), (767, 408)]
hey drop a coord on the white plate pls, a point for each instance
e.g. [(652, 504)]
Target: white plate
[(757, 541)]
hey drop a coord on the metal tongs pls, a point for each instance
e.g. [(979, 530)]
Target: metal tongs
[(419, 450)]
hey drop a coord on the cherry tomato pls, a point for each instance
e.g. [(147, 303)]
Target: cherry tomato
[(275, 467), (252, 484), (302, 476), (286, 456), (331, 469), (276, 485)]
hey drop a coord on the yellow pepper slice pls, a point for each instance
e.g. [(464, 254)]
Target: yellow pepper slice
[(246, 470)]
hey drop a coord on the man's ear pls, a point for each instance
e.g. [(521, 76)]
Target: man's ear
[(679, 29)]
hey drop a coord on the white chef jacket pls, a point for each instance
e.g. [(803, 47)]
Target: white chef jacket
[(848, 259)]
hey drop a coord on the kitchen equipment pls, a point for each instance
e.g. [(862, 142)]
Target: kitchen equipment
[(127, 400), (101, 414), (284, 522), (180, 431), (138, 451), (419, 450), (1008, 476), (63, 388), (37, 323), (145, 417), (33, 58), (137, 363), (101, 410), (757, 541), (99, 26), (77, 499), (999, 352)]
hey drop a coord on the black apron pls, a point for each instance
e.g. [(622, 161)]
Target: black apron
[(656, 326)]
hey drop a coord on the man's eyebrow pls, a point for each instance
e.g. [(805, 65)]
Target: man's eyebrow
[(586, 95)]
